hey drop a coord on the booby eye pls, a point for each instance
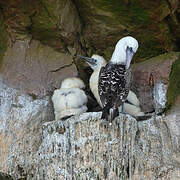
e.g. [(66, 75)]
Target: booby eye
[(130, 49), (94, 60)]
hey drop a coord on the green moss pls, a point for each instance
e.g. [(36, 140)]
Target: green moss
[(159, 59), (149, 45), (164, 9), (148, 48), (3, 45), (108, 53), (142, 19), (44, 22), (124, 12), (174, 84)]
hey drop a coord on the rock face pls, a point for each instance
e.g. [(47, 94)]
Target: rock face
[(39, 41), (54, 22), (83, 148), (57, 23), (21, 117), (34, 147), (159, 92), (86, 147), (148, 74), (108, 21), (34, 68), (95, 25)]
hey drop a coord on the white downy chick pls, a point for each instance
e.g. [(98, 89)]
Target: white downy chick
[(70, 99)]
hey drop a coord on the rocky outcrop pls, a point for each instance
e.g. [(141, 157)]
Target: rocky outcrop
[(107, 21), (86, 147), (148, 74), (95, 25), (21, 117), (53, 22), (39, 41), (34, 68), (35, 147)]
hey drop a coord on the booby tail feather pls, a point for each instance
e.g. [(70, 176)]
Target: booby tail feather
[(109, 114), (113, 113), (105, 114)]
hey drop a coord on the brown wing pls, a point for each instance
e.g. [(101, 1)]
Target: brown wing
[(128, 79), (103, 86), (114, 83)]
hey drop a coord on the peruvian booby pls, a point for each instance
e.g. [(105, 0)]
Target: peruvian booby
[(115, 78), (96, 62), (70, 99)]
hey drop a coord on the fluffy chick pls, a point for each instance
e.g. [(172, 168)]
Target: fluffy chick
[(70, 99)]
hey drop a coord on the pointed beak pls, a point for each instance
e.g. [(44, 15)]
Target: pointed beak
[(90, 61), (129, 56)]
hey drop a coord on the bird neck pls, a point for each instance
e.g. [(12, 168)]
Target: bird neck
[(98, 67), (117, 66), (119, 56)]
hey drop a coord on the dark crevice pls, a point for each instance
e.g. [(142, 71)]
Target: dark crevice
[(83, 24), (64, 45), (62, 67), (82, 21), (79, 14), (29, 29), (169, 5), (46, 9), (4, 176), (173, 24)]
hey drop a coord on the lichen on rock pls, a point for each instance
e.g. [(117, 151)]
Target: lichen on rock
[(21, 118), (87, 147)]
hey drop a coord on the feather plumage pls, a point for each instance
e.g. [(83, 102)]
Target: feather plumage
[(115, 77), (70, 99), (114, 86)]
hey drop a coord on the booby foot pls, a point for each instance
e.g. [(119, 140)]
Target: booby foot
[(123, 113), (122, 109)]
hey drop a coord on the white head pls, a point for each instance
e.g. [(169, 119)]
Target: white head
[(124, 51), (95, 62), (72, 82)]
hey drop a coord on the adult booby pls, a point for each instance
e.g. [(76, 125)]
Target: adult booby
[(96, 62), (115, 77), (70, 99)]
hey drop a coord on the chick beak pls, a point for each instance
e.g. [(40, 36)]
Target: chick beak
[(90, 61)]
